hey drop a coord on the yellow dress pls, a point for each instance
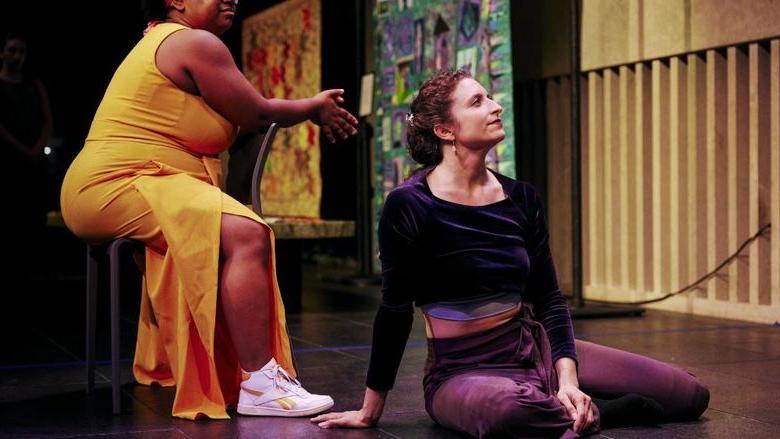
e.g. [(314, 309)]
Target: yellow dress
[(137, 177)]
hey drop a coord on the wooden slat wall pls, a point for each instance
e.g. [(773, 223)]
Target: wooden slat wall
[(559, 179), (774, 146), (681, 164)]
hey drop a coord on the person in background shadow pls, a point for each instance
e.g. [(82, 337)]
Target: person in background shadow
[(25, 128)]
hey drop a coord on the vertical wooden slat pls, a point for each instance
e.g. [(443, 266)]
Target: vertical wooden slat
[(564, 93), (610, 152), (553, 203), (660, 185), (717, 218), (760, 173), (558, 178), (596, 179), (607, 121), (697, 171), (585, 215), (678, 163), (628, 259), (643, 182), (738, 165), (774, 146)]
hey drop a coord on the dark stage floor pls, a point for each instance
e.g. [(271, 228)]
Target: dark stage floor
[(42, 375)]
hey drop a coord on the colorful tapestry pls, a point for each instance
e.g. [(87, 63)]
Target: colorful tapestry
[(281, 52), (414, 39)]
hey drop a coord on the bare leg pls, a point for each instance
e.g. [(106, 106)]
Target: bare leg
[(245, 288)]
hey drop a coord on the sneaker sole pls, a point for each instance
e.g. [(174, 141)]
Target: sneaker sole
[(270, 411)]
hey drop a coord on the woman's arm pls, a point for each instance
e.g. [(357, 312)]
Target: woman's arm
[(552, 311), (397, 232), (550, 307), (577, 403), (203, 58)]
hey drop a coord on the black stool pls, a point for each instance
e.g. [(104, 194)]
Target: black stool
[(113, 249)]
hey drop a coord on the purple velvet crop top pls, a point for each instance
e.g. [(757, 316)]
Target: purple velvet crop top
[(433, 250)]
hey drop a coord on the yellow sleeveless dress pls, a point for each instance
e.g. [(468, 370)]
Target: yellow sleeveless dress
[(138, 177)]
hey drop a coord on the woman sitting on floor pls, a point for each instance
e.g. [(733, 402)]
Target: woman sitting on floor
[(469, 247)]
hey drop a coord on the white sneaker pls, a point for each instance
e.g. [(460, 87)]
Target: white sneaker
[(272, 392)]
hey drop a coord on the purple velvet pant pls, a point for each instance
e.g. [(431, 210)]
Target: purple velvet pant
[(502, 383)]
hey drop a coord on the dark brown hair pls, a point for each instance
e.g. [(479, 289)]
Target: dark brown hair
[(431, 107), (154, 10)]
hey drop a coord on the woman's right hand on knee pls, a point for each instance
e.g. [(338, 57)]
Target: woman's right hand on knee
[(578, 405)]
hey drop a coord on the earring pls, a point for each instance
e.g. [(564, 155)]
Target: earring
[(454, 150)]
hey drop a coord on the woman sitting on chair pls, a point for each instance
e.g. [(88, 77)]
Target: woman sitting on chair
[(469, 247), (149, 171)]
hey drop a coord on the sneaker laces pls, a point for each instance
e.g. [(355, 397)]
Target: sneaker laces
[(283, 381)]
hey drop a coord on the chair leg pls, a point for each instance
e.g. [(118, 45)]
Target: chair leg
[(113, 250), (92, 279)]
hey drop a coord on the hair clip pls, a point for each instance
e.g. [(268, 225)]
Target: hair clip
[(410, 118)]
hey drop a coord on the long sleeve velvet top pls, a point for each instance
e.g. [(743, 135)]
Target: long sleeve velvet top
[(433, 250)]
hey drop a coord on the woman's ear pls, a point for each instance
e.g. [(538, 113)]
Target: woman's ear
[(178, 5), (444, 132)]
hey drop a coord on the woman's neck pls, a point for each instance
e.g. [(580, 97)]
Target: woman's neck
[(462, 168)]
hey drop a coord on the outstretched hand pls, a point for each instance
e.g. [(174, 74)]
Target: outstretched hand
[(350, 419), (333, 119)]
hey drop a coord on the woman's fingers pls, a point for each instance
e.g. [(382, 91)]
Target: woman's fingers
[(329, 419), (564, 398), (582, 405), (347, 127), (338, 130), (342, 419), (325, 417), (349, 117), (591, 417), (327, 424), (334, 93), (328, 134)]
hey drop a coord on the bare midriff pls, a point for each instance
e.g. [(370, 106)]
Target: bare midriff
[(442, 328)]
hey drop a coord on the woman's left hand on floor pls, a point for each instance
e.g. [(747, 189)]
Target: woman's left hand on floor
[(350, 419)]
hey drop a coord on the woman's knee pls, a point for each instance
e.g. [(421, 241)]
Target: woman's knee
[(244, 236), (702, 400), (698, 399), (683, 397)]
